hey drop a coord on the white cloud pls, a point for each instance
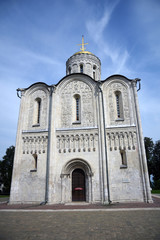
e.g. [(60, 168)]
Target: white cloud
[(96, 29), (42, 58), (22, 55)]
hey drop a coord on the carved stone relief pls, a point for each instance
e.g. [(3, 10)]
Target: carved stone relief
[(86, 96), (43, 114), (112, 104), (34, 144), (122, 140), (81, 142)]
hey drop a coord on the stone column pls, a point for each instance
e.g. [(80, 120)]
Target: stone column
[(142, 154), (105, 194)]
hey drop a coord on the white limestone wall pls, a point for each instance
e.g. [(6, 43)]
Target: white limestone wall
[(123, 86), (125, 180), (15, 193), (65, 97), (71, 141), (28, 183), (79, 144), (90, 63), (32, 183), (61, 190)]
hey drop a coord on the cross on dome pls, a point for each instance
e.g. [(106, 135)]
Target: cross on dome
[(83, 48)]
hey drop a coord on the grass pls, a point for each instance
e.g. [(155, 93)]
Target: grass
[(4, 196), (155, 191)]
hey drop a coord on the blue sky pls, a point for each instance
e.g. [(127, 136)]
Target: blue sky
[(38, 36)]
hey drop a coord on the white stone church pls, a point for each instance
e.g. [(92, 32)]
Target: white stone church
[(80, 139)]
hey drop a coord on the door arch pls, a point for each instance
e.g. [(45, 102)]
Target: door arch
[(66, 180), (78, 185)]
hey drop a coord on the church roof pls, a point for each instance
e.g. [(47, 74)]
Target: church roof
[(116, 76), (83, 52)]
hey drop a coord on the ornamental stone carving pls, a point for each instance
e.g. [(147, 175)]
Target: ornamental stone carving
[(34, 144), (86, 104), (112, 107), (81, 142), (43, 113), (122, 140)]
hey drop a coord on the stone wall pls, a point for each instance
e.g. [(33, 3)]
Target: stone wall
[(90, 64), (66, 143)]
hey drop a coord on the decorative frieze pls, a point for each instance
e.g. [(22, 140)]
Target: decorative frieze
[(83, 142), (34, 144), (122, 140)]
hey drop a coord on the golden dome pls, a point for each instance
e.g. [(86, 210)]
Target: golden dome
[(83, 52)]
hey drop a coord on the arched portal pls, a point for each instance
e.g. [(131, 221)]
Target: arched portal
[(76, 181), (78, 185)]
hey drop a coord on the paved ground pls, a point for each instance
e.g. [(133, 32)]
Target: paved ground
[(88, 222), (77, 225), (156, 195), (155, 204), (4, 199)]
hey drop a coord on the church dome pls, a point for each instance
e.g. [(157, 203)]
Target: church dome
[(84, 62)]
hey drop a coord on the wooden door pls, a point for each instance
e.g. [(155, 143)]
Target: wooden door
[(78, 185)]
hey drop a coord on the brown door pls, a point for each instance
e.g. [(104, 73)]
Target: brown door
[(78, 185)]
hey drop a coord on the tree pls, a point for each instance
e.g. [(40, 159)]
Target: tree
[(156, 165), (149, 147), (6, 166)]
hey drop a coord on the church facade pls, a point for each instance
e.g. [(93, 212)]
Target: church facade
[(81, 139)]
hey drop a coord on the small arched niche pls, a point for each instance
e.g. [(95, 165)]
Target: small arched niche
[(94, 72), (81, 68)]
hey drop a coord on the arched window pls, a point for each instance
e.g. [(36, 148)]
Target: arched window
[(69, 70), (35, 158), (35, 161), (94, 72), (123, 159), (119, 107), (37, 111), (76, 109), (81, 68)]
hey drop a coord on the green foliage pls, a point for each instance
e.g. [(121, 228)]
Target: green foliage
[(6, 166), (156, 184), (156, 162), (149, 147), (155, 191), (4, 196), (153, 161)]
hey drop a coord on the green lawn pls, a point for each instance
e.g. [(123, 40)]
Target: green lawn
[(155, 191), (3, 196)]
